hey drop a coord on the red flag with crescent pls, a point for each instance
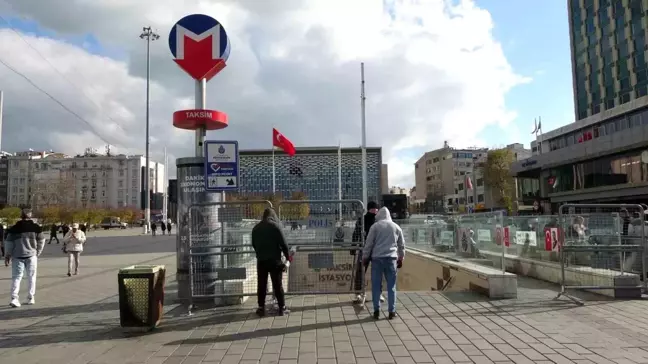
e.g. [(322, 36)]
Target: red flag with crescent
[(283, 143)]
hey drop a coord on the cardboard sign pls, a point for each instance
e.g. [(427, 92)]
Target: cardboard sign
[(552, 239)]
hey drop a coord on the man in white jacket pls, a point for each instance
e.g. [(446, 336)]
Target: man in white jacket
[(73, 245)]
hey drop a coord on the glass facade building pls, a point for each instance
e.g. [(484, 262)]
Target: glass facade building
[(608, 41), (313, 171)]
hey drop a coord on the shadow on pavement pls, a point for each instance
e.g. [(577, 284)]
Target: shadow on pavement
[(9, 313)]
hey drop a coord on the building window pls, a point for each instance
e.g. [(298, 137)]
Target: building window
[(480, 198)]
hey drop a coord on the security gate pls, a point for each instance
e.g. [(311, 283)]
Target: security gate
[(222, 260), (604, 244)]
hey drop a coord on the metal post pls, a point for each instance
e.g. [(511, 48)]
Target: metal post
[(148, 35), (201, 103), (165, 188), (364, 135), (1, 111)]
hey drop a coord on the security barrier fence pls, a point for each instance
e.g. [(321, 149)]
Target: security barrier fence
[(319, 233), (608, 245), (322, 222), (602, 241)]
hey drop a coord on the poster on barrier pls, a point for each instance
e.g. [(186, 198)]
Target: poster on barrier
[(552, 239), (465, 241), (499, 235), (325, 271), (484, 236), (447, 238), (526, 238)]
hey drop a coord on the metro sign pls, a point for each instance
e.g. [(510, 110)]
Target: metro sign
[(199, 45)]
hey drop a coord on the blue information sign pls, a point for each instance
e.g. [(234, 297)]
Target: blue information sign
[(221, 165)]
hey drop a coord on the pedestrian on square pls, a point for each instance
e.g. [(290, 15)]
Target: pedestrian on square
[(73, 246), (2, 239), (385, 247), (24, 244), (53, 231), (153, 228), (269, 245), (168, 224), (163, 227)]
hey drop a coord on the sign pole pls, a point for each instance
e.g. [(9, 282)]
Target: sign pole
[(200, 104)]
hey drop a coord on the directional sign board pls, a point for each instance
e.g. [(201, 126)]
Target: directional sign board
[(221, 165), (199, 45)]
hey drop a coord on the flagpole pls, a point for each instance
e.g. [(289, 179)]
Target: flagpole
[(273, 171), (364, 135), (340, 178), (540, 130)]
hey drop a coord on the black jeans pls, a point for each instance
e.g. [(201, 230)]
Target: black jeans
[(275, 270), (53, 237)]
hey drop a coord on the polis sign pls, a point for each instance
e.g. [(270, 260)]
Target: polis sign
[(199, 118)]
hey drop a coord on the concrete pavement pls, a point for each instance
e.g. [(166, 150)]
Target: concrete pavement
[(76, 321)]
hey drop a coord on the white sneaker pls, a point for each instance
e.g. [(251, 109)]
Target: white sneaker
[(30, 301), (14, 303), (360, 299), (382, 298)]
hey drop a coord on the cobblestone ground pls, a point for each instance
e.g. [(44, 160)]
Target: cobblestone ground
[(76, 321)]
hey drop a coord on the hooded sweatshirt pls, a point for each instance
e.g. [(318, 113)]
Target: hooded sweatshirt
[(267, 238), (385, 238)]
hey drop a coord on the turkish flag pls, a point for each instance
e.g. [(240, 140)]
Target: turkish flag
[(469, 185), (552, 239), (281, 142)]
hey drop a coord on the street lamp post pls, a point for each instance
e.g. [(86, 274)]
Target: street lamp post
[(148, 35)]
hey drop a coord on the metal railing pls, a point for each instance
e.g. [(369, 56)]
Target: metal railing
[(600, 245)]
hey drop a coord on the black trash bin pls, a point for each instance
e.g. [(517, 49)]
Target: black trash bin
[(141, 295)]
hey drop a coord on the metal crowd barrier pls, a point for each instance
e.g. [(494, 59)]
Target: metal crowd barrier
[(222, 261), (603, 249)]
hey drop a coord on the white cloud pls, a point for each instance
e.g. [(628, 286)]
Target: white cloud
[(434, 73)]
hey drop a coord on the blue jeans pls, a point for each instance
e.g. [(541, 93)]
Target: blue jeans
[(383, 267)]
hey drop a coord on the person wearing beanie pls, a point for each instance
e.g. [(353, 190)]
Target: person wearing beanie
[(359, 236), (24, 244)]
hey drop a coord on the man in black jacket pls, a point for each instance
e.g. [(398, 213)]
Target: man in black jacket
[(269, 244), (359, 236)]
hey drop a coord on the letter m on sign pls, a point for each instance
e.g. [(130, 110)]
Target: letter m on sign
[(200, 54)]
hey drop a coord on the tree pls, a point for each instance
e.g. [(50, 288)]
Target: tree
[(50, 215), (95, 216), (497, 176), (10, 215), (70, 215), (296, 211)]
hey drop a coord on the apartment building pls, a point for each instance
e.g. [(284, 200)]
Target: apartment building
[(441, 176), (90, 179)]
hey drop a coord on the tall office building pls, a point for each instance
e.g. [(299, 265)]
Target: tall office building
[(608, 46)]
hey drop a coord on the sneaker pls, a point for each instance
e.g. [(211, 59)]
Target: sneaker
[(376, 315), (260, 311), (69, 274), (382, 298), (360, 299), (283, 311), (30, 301), (392, 315), (14, 303)]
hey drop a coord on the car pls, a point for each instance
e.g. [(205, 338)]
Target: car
[(112, 222)]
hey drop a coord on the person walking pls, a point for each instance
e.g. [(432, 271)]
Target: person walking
[(73, 246), (153, 228), (163, 227), (359, 235), (385, 247), (53, 231), (269, 245), (168, 224), (24, 244), (2, 239)]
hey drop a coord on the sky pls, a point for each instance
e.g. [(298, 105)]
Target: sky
[(474, 73)]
